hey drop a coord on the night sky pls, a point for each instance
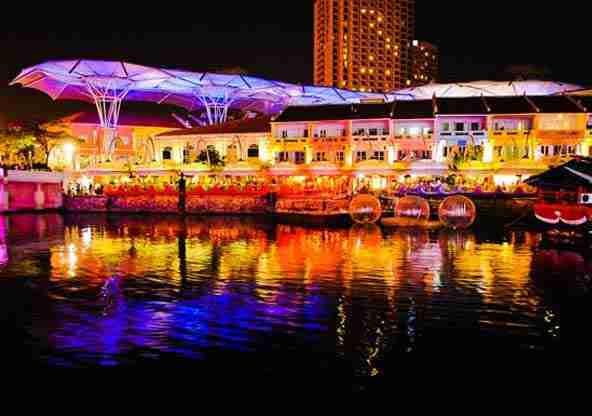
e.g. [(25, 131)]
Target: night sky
[(274, 40)]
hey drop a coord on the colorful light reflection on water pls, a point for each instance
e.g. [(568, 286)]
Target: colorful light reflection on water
[(97, 290)]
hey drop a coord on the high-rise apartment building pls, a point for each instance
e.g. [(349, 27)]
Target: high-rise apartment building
[(363, 45), (424, 63)]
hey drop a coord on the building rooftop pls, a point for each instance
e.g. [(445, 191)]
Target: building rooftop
[(254, 125), (130, 119), (442, 106), (471, 105), (336, 112), (577, 172)]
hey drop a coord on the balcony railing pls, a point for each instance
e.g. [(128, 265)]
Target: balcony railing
[(510, 132), (463, 135), (370, 138), (383, 132), (418, 136)]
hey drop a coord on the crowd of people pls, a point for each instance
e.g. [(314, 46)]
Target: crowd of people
[(301, 186), (459, 184)]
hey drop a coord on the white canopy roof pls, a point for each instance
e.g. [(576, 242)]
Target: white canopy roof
[(484, 88)]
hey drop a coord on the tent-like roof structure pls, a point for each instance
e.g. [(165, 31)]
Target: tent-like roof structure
[(576, 172), (106, 82), (485, 89)]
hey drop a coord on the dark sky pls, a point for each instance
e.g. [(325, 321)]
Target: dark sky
[(274, 39)]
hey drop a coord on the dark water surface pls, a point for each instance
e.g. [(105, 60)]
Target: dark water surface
[(93, 290)]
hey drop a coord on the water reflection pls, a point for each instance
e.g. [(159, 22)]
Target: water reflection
[(112, 290)]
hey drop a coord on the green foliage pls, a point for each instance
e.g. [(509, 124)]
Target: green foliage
[(214, 157), (457, 158), (32, 141)]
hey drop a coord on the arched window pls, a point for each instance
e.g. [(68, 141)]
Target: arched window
[(167, 153), (187, 151), (232, 153), (253, 151)]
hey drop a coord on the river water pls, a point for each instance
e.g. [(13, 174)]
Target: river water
[(97, 290)]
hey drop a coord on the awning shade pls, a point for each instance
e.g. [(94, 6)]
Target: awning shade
[(556, 213)]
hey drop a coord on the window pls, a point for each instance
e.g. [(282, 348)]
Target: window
[(320, 157), (445, 126), (379, 155), (340, 156), (475, 126), (299, 158), (167, 153), (187, 155), (305, 133), (281, 157), (459, 126), (545, 150), (253, 151), (373, 132), (284, 134), (360, 156)]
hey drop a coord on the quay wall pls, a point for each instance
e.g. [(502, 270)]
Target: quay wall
[(489, 208), (31, 191)]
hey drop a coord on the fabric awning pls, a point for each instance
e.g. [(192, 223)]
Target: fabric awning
[(567, 214)]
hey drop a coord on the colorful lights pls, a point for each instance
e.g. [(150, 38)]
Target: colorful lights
[(69, 152)]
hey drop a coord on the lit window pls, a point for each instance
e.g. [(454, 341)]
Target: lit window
[(363, 11), (408, 82), (363, 70), (388, 71)]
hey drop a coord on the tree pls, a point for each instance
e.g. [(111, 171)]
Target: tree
[(16, 147), (214, 157), (34, 139)]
